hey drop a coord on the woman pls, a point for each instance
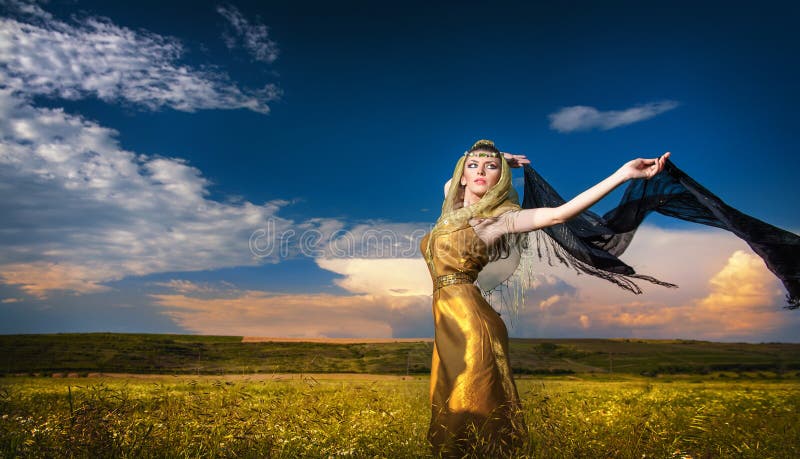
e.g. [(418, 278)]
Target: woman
[(474, 401)]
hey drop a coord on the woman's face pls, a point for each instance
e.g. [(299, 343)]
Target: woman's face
[(480, 174)]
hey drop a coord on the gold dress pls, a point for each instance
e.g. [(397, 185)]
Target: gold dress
[(475, 406)]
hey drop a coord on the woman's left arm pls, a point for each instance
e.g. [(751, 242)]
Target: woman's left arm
[(533, 219)]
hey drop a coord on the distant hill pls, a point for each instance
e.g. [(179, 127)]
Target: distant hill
[(85, 353)]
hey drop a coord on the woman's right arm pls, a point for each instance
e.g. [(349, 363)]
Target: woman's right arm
[(532, 219)]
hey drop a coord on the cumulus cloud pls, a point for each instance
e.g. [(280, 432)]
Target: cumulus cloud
[(742, 298), (386, 297), (263, 313), (78, 210), (741, 301), (92, 56), (583, 118), (26, 8), (253, 37), (551, 300), (725, 292), (389, 276)]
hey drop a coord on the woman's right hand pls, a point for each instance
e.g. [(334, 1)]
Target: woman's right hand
[(515, 160), (644, 168)]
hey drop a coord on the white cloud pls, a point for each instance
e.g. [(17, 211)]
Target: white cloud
[(725, 292), (741, 301), (388, 277), (79, 211), (742, 298), (386, 298), (582, 118), (551, 300), (263, 313), (27, 8), (92, 56), (253, 37)]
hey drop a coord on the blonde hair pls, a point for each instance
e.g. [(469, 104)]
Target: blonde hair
[(499, 199)]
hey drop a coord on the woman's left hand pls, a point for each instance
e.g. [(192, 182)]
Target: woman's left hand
[(515, 160), (644, 168)]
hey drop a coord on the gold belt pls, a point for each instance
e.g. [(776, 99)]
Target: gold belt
[(454, 278)]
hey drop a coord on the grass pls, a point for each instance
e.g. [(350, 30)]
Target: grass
[(626, 417), (613, 398), (195, 354), (192, 354)]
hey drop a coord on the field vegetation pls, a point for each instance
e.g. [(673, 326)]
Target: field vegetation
[(318, 416), (121, 395), (193, 354)]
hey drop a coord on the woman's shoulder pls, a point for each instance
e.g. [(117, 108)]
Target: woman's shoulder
[(500, 217), (489, 229)]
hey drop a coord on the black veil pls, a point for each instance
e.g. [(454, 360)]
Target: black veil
[(591, 243)]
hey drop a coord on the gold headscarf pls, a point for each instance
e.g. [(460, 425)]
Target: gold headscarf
[(499, 199)]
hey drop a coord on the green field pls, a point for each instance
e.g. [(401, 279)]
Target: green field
[(568, 417), (582, 398), (192, 354)]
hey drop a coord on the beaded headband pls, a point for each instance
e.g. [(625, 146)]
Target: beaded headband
[(483, 153), (484, 144)]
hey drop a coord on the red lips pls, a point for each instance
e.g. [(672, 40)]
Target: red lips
[(480, 180)]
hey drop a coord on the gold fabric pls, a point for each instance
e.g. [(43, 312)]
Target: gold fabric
[(499, 199), (450, 279), (475, 407)]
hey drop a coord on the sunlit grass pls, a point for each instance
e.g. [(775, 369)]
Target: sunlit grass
[(186, 417), (654, 419)]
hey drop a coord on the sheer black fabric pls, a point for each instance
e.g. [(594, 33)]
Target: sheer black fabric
[(591, 243)]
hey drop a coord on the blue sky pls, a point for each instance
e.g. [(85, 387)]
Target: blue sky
[(143, 146)]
